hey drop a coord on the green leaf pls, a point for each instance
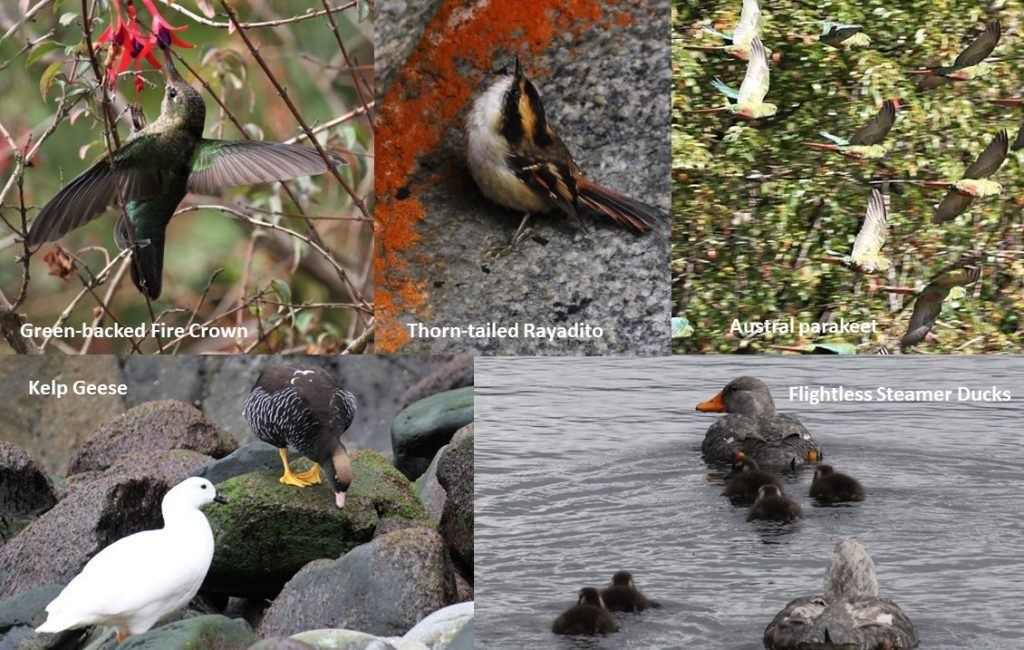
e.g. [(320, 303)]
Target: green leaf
[(363, 9), (41, 50), (49, 76), (68, 18), (282, 289)]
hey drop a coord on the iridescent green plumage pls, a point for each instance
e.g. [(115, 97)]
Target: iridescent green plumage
[(153, 170)]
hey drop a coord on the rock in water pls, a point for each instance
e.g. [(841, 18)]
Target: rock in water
[(455, 473), (25, 490), (384, 587), (426, 426), (211, 631), (268, 531), (154, 426)]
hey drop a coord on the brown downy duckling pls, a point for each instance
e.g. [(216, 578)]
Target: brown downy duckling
[(773, 505), (623, 596), (829, 486), (588, 616), (746, 479)]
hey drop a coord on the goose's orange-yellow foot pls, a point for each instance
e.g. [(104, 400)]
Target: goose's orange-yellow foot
[(311, 476), (289, 478), (121, 636)]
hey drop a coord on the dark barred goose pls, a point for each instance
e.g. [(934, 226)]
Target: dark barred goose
[(305, 409), (849, 614), (753, 427)]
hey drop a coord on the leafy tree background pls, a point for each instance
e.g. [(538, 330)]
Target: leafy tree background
[(753, 207), (305, 57)]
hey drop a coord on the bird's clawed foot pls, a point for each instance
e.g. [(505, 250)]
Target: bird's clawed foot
[(521, 233), (289, 477)]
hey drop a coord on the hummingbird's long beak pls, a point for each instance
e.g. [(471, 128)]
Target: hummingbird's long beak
[(170, 72)]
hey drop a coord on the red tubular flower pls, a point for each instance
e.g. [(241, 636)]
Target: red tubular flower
[(163, 31)]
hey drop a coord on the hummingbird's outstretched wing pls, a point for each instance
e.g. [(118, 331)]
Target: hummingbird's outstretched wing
[(867, 247), (991, 159), (88, 195), (878, 128), (981, 47), (225, 163)]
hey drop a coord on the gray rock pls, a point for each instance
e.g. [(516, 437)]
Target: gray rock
[(441, 627), (268, 531), (397, 28), (344, 640), (153, 426), (50, 429), (25, 490), (165, 377), (426, 426), (19, 615), (455, 474), (252, 457), (211, 631), (429, 489), (96, 513), (281, 643), (607, 92), (457, 373), (384, 587)]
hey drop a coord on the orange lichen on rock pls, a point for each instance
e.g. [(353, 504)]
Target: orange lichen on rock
[(428, 95)]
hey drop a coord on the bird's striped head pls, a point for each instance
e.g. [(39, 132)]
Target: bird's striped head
[(522, 114)]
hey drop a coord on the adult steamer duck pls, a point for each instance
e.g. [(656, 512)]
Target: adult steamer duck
[(752, 426)]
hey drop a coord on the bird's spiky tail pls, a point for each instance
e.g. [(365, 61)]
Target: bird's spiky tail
[(623, 210)]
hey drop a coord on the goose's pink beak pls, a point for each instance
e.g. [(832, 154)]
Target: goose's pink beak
[(339, 498)]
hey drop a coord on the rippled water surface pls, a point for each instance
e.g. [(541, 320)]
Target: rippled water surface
[(587, 466)]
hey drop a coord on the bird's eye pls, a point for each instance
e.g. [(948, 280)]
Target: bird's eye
[(172, 93), (203, 486)]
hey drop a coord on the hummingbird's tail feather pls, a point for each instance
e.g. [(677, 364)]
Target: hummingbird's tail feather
[(622, 209), (148, 267)]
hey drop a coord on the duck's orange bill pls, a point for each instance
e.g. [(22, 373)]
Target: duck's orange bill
[(713, 405), (812, 456)]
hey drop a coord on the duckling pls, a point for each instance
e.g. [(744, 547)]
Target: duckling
[(588, 616), (849, 614), (304, 408), (829, 486), (753, 427), (747, 479), (623, 596), (773, 505)]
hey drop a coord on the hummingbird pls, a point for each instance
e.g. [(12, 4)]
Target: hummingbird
[(150, 173)]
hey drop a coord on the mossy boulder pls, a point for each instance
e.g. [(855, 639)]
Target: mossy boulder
[(209, 632), (25, 490), (384, 588), (268, 531), (150, 427), (427, 425)]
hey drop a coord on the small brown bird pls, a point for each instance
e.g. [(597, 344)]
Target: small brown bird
[(588, 616), (773, 505), (829, 486), (623, 596), (519, 162), (747, 479)]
